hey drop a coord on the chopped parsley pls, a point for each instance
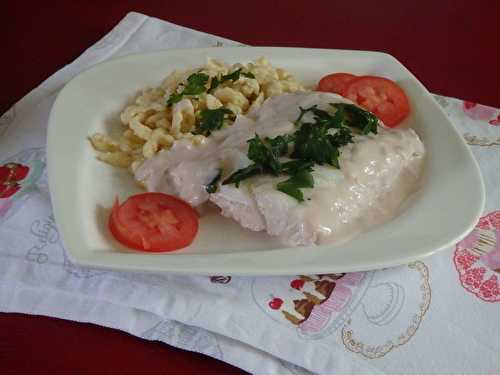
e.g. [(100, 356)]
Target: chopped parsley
[(294, 166), (195, 85), (213, 84), (211, 120), (342, 137), (300, 171), (355, 117), (313, 143), (208, 120), (212, 186), (243, 174), (279, 145), (292, 186), (234, 76), (248, 75), (174, 98), (264, 153)]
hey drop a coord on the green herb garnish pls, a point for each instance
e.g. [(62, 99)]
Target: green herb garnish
[(213, 84), (234, 76), (325, 119), (313, 143), (279, 144), (211, 120), (301, 179), (356, 117), (262, 153), (195, 85), (243, 174), (174, 98), (342, 137), (294, 166), (316, 142), (212, 186), (248, 75)]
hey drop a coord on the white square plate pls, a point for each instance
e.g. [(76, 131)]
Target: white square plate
[(441, 213)]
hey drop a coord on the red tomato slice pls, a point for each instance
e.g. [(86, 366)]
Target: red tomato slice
[(381, 96), (335, 82), (153, 222)]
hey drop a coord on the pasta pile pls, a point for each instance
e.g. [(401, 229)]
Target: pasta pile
[(155, 122)]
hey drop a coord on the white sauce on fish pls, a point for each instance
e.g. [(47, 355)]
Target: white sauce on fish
[(377, 173)]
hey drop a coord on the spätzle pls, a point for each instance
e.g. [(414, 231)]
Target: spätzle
[(152, 125)]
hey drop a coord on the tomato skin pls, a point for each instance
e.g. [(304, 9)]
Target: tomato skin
[(381, 96), (116, 228), (335, 82), (153, 222)]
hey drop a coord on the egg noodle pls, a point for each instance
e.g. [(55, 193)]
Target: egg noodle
[(154, 122)]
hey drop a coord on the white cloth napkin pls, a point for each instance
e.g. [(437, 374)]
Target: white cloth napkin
[(438, 315)]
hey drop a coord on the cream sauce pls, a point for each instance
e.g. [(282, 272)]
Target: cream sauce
[(377, 173)]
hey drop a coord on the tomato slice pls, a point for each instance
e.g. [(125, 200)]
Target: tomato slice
[(381, 96), (153, 222), (335, 82)]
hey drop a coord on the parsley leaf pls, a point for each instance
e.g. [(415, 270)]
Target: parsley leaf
[(211, 120), (174, 98), (248, 75), (279, 145), (195, 85), (302, 179), (323, 118), (261, 153), (243, 174), (356, 117), (213, 84), (312, 143), (264, 154), (234, 76), (212, 186), (293, 166), (342, 137)]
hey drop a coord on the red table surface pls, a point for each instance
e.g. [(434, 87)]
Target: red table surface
[(451, 46)]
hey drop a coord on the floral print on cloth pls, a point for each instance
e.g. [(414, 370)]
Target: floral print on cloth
[(479, 124), (477, 259)]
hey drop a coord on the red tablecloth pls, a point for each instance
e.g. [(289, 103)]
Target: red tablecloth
[(452, 47)]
